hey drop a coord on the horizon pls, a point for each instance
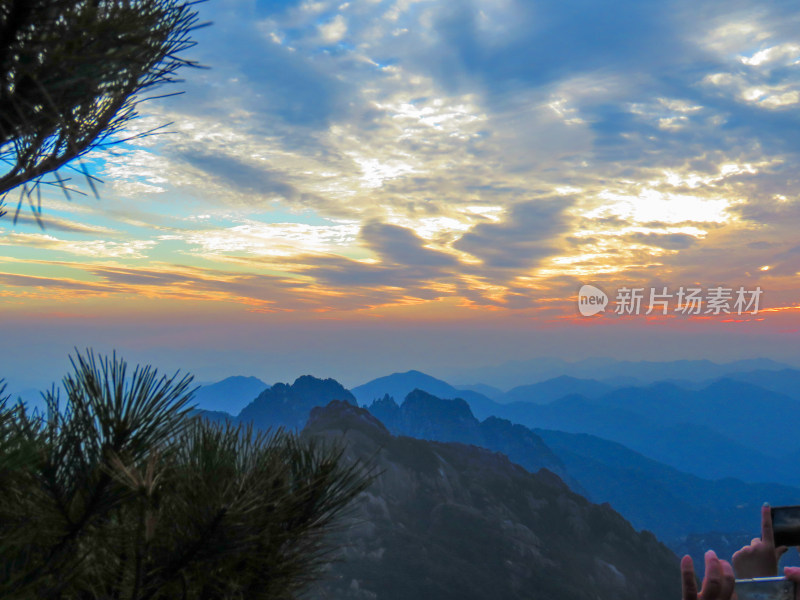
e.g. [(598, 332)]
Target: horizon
[(451, 377)]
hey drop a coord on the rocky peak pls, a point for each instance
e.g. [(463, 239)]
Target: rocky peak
[(423, 415), (449, 521), (343, 416), (289, 405)]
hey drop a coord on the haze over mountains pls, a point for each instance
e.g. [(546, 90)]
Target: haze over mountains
[(230, 395), (288, 406), (516, 373), (726, 428), (447, 521), (690, 461), (650, 494)]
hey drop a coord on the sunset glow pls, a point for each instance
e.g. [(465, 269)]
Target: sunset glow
[(379, 172)]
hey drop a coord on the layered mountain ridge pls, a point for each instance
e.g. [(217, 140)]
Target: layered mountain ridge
[(454, 521), (681, 508)]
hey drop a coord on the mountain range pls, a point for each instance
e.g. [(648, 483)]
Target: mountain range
[(230, 395), (517, 373), (451, 521), (427, 417), (785, 381), (681, 507), (549, 390), (728, 429), (738, 429), (653, 496), (398, 385)]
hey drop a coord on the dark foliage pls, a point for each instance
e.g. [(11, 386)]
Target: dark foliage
[(121, 494), (71, 75)]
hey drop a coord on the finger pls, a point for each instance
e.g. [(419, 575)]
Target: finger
[(755, 542), (712, 582), (793, 574), (781, 550), (728, 579), (688, 580), (740, 558), (767, 535), (743, 553)]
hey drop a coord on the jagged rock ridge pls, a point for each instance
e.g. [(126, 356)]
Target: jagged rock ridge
[(453, 521)]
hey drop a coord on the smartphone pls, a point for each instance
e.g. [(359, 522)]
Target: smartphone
[(765, 588), (786, 525)]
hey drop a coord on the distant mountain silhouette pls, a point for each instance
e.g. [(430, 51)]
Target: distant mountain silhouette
[(446, 521), (721, 431), (785, 381), (230, 395), (285, 405), (215, 416), (425, 416), (728, 429), (662, 499), (765, 421), (490, 392), (399, 385), (653, 496), (517, 373), (553, 389)]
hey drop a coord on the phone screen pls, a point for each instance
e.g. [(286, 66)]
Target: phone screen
[(786, 524), (764, 588)]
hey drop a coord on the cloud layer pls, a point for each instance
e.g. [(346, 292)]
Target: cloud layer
[(364, 155)]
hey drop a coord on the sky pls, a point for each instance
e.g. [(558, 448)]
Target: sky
[(350, 189)]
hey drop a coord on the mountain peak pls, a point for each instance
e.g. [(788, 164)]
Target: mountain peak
[(309, 384), (398, 385), (230, 395), (420, 401), (438, 509), (342, 416), (415, 373), (288, 405)]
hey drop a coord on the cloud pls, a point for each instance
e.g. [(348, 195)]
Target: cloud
[(265, 292), (389, 281), (272, 293), (15, 280), (235, 172), (668, 241), (272, 239), (522, 239), (252, 69), (134, 249), (334, 30), (499, 46), (50, 222), (144, 277), (399, 245), (392, 152)]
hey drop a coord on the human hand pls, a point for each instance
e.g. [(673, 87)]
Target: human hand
[(761, 557), (793, 573), (717, 583)]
